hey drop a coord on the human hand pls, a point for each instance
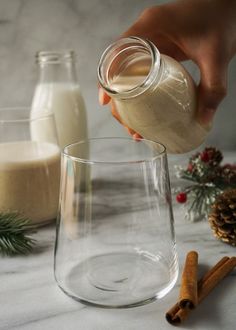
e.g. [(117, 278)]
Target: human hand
[(199, 30)]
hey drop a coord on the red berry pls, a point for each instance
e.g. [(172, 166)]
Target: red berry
[(181, 197), (204, 156)]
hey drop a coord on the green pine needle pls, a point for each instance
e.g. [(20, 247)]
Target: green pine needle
[(13, 238)]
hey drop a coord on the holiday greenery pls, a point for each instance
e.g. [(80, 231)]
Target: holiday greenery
[(208, 178), (13, 238)]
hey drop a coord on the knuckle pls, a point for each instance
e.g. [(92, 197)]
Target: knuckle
[(218, 91), (148, 14), (214, 93)]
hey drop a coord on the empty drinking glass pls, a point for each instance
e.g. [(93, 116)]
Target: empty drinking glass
[(115, 244)]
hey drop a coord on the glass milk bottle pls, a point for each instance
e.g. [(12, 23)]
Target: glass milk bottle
[(153, 94), (58, 91)]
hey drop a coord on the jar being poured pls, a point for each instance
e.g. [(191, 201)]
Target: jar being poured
[(153, 94)]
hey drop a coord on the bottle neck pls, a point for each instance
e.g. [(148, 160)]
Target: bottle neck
[(129, 67), (58, 67)]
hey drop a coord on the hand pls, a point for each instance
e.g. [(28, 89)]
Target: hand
[(199, 30)]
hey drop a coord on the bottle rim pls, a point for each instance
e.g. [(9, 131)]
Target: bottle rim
[(55, 57), (110, 55)]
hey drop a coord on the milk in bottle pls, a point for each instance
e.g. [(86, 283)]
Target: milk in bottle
[(58, 91)]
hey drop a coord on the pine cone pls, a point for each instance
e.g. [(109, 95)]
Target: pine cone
[(228, 174), (215, 156), (222, 217)]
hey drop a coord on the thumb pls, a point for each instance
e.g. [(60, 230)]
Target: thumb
[(212, 87)]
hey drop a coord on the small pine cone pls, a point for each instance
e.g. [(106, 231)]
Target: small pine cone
[(228, 174), (222, 217), (215, 156)]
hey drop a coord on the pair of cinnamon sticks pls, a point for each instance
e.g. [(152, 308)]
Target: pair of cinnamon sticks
[(192, 291)]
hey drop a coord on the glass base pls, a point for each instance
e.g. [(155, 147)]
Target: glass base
[(119, 280)]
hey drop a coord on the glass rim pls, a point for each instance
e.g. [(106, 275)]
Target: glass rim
[(102, 162), (25, 119)]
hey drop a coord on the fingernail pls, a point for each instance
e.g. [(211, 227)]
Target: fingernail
[(137, 137)]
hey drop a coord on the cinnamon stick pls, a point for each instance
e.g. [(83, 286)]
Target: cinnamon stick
[(177, 315), (206, 284), (212, 271), (188, 290), (211, 281)]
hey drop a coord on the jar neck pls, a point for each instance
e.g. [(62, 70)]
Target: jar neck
[(129, 67), (56, 66)]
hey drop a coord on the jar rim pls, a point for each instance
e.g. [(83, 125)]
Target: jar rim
[(149, 78)]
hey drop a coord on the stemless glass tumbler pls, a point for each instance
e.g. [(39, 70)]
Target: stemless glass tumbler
[(115, 244)]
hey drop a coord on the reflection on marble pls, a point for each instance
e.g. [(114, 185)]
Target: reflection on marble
[(31, 300), (27, 26)]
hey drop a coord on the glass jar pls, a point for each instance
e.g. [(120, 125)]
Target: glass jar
[(153, 94), (58, 91)]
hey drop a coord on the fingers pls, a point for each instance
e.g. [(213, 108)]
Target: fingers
[(213, 86), (134, 134), (115, 113), (137, 136)]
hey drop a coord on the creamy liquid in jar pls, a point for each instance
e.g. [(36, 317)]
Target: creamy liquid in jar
[(154, 94), (151, 114), (30, 179)]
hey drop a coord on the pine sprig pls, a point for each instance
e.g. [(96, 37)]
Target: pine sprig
[(13, 238), (208, 177)]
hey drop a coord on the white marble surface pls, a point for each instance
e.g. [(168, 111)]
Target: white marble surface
[(27, 26), (31, 300)]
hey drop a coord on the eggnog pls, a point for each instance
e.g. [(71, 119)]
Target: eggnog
[(164, 113), (153, 94), (29, 179)]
